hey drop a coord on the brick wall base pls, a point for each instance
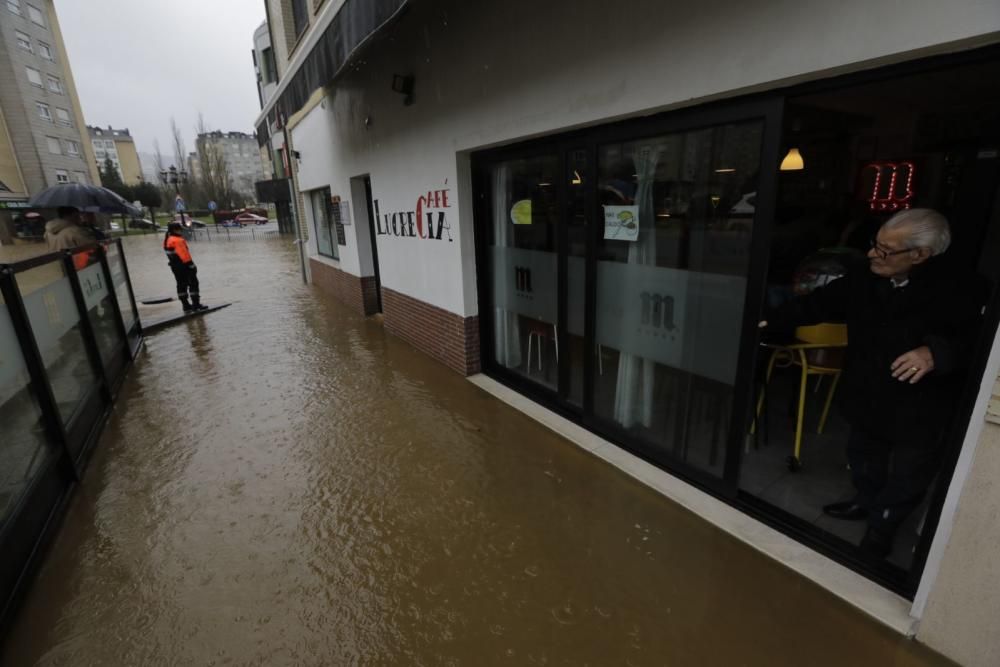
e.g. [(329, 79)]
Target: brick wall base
[(358, 293), (451, 339)]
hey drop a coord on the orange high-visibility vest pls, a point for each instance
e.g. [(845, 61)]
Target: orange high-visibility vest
[(177, 247)]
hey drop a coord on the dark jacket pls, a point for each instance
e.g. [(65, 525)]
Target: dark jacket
[(937, 308)]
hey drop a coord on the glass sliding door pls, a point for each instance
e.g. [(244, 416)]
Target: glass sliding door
[(523, 264), (615, 266), (672, 265)]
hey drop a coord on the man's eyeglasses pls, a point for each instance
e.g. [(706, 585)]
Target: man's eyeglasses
[(882, 253)]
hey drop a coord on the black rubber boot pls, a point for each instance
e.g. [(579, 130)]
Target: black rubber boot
[(187, 304), (196, 303)]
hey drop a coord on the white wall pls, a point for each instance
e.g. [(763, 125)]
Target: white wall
[(493, 73)]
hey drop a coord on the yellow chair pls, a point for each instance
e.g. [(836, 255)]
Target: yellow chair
[(819, 351)]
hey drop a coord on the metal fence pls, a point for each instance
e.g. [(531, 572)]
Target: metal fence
[(250, 233), (69, 330)]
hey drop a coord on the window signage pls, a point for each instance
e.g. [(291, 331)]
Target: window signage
[(520, 212), (621, 223)]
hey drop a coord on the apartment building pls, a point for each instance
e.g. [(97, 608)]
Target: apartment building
[(119, 147), (597, 231), (241, 153), (42, 132)]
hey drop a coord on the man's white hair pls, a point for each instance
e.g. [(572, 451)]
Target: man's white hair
[(927, 229)]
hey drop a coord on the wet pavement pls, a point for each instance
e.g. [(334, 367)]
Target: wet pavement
[(282, 483)]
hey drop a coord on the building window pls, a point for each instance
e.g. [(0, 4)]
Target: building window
[(325, 239), (43, 111), (72, 148), (54, 146), (64, 118), (34, 76), (24, 41), (109, 144), (300, 16), (14, 6), (62, 176), (55, 85), (36, 15), (100, 154), (45, 51), (268, 71)]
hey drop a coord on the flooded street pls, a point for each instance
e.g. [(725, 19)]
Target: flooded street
[(282, 483)]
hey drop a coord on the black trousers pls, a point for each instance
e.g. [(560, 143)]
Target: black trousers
[(186, 276), (891, 478)]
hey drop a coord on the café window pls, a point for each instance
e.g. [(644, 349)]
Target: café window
[(660, 226), (326, 240), (842, 449)]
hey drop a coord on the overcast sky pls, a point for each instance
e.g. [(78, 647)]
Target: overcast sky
[(136, 63)]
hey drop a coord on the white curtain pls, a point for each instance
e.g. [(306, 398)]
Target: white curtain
[(634, 388), (506, 334)]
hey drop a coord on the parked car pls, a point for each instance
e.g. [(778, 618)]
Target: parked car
[(232, 222), (188, 222), (142, 223), (247, 218)]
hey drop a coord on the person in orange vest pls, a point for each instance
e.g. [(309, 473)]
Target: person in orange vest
[(185, 272)]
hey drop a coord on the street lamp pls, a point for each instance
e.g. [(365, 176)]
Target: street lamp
[(176, 178)]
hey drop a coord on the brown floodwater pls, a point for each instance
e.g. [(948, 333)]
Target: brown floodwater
[(282, 483)]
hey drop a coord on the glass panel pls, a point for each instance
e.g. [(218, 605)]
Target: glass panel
[(671, 281), (55, 322), (120, 281), (100, 308), (523, 262), (867, 450), (578, 174), (24, 447), (324, 241)]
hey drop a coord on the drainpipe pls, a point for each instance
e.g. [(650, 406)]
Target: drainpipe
[(295, 200)]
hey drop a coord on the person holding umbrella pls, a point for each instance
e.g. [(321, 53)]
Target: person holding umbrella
[(183, 268), (65, 231)]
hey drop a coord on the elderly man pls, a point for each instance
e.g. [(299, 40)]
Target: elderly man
[(911, 323), (66, 232)]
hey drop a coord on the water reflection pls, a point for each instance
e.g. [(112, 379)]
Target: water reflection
[(282, 483)]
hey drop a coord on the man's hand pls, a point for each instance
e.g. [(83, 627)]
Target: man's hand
[(912, 366)]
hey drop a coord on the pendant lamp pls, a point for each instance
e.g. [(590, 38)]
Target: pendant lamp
[(793, 161)]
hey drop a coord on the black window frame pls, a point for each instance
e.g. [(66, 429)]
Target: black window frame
[(902, 582), (325, 193)]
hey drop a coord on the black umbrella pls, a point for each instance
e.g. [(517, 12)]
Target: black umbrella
[(82, 196)]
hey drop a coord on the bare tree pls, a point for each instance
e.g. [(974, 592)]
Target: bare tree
[(157, 156), (215, 180)]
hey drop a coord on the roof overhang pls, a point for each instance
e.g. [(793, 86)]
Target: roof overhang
[(339, 33)]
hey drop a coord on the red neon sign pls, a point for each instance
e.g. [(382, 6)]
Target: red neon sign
[(893, 186)]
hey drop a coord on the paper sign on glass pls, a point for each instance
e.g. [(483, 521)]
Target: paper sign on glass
[(520, 212), (621, 223)]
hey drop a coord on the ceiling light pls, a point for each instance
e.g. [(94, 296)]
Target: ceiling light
[(793, 161)]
